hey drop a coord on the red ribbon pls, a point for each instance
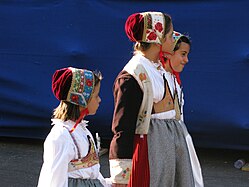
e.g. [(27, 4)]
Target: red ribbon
[(162, 56), (83, 113)]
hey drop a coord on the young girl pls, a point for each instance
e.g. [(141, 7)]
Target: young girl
[(149, 147), (70, 155), (173, 69), (142, 151)]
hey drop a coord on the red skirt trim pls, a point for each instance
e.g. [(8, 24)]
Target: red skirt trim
[(140, 173)]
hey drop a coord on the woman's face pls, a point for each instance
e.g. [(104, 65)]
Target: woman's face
[(180, 57), (168, 43), (93, 105)]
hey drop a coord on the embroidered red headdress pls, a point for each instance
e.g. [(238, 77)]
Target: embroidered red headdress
[(75, 86), (145, 27)]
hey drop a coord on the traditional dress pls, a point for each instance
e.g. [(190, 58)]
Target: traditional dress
[(151, 145), (70, 159)]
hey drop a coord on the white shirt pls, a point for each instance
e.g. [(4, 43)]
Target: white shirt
[(59, 150), (156, 73)]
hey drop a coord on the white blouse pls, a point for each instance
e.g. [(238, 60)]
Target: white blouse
[(156, 73), (59, 150)]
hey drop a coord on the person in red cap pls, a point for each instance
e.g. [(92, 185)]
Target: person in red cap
[(70, 155), (149, 147), (147, 143)]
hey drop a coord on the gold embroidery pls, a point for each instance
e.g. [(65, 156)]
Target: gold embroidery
[(89, 160)]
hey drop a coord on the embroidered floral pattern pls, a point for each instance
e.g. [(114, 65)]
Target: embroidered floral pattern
[(75, 98), (142, 76), (126, 173), (82, 87), (152, 36), (142, 116), (89, 82), (154, 27), (159, 26), (176, 36), (149, 22)]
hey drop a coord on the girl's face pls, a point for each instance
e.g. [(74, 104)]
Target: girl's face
[(180, 57), (93, 105), (168, 44)]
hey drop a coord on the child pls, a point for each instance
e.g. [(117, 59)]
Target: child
[(150, 145), (180, 55), (70, 155), (139, 156), (176, 64)]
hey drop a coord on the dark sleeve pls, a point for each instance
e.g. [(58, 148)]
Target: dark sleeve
[(127, 100)]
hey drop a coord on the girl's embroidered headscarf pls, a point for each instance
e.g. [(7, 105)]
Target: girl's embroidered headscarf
[(75, 86), (147, 27), (176, 36)]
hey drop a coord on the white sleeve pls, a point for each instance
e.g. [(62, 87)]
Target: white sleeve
[(182, 116), (58, 152), (105, 181)]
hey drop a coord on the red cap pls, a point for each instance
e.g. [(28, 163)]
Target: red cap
[(134, 27), (61, 82)]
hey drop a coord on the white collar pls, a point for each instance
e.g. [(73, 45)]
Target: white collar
[(69, 123)]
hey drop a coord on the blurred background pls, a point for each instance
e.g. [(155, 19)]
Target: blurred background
[(39, 36)]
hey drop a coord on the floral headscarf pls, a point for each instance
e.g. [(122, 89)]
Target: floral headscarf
[(176, 36), (73, 85), (146, 27)]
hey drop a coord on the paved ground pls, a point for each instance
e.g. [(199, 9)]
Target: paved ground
[(21, 161)]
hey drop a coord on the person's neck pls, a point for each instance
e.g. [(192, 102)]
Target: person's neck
[(168, 68), (151, 56)]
